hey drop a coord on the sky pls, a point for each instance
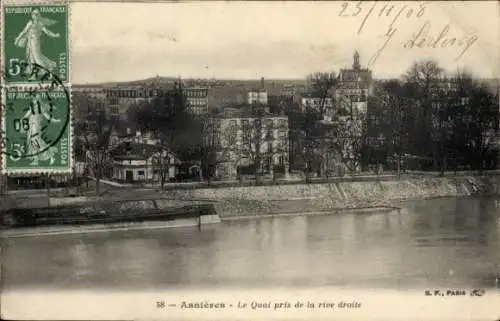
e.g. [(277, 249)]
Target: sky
[(277, 40)]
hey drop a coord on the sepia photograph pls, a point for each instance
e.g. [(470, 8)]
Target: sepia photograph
[(250, 160)]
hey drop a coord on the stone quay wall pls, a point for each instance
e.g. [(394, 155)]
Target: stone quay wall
[(305, 198)]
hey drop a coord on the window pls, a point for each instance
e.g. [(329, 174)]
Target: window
[(269, 133), (245, 124), (282, 135), (232, 133), (141, 173), (217, 139)]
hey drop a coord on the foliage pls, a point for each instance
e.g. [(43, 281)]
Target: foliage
[(167, 117), (321, 85), (94, 136), (452, 121), (161, 164), (306, 136)]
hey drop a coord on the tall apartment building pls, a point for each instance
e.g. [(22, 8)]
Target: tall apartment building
[(197, 100), (245, 141), (120, 98), (354, 87)]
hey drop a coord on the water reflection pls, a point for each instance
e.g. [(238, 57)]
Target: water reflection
[(446, 242)]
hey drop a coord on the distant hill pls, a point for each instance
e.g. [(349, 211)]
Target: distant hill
[(239, 87), (228, 82)]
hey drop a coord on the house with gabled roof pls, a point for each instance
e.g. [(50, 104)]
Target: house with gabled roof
[(137, 162)]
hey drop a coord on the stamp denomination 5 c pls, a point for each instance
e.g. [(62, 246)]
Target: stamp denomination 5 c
[(35, 34), (37, 131)]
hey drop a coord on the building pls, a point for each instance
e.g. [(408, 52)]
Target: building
[(93, 91), (130, 134), (354, 87), (317, 104), (246, 144), (136, 162), (226, 96), (197, 100), (120, 98), (257, 97), (87, 106)]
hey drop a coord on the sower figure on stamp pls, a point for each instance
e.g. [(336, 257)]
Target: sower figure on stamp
[(30, 39), (37, 113)]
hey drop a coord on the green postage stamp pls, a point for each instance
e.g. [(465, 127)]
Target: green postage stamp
[(35, 40), (36, 127)]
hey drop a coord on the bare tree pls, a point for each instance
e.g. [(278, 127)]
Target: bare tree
[(96, 144), (161, 164), (349, 141), (398, 107), (422, 76), (309, 142), (422, 83), (321, 85), (251, 147), (209, 149), (278, 146)]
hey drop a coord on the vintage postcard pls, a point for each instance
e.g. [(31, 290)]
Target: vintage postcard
[(250, 160)]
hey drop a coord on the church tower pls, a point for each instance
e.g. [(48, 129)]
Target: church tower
[(356, 65)]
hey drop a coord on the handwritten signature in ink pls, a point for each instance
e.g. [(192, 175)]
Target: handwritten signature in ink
[(423, 38)]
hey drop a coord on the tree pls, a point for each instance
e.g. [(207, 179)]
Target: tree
[(448, 118), (96, 143), (251, 147), (310, 135), (396, 117), (349, 141), (321, 84), (161, 162), (168, 119), (208, 150), (422, 77), (421, 84), (166, 116), (480, 118)]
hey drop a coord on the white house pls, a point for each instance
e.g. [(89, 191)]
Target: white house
[(136, 162)]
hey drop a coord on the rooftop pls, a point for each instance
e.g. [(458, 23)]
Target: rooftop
[(134, 151)]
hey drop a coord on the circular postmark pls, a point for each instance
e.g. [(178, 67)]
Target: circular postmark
[(35, 118)]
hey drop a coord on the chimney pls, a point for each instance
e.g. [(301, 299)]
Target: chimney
[(262, 83)]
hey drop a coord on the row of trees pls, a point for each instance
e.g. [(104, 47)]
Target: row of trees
[(427, 119), (441, 122)]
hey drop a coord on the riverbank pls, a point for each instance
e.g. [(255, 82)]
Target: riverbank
[(338, 196), (229, 203)]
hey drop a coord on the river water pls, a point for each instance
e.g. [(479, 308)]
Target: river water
[(442, 242)]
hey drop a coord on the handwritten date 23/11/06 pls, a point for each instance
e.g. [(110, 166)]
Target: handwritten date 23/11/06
[(354, 9)]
